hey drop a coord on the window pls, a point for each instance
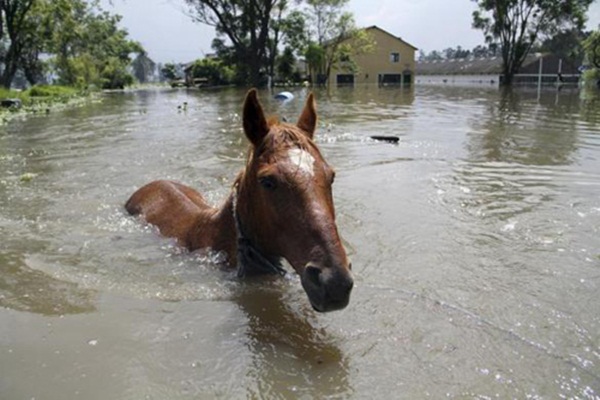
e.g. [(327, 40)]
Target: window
[(395, 57)]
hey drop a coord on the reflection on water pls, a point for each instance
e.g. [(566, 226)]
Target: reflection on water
[(474, 243), (291, 358), (536, 134)]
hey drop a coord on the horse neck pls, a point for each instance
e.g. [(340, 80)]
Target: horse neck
[(215, 228)]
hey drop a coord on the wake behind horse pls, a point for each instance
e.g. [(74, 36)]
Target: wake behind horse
[(280, 207)]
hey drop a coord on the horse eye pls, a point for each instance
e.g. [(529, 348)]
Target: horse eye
[(268, 182)]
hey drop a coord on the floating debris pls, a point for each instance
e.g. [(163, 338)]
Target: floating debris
[(27, 177), (387, 139), (284, 96)]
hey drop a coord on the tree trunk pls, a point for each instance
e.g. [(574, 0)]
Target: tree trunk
[(10, 69)]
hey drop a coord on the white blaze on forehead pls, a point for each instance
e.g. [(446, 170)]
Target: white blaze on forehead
[(303, 160)]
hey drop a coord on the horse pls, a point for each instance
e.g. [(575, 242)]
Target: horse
[(280, 207)]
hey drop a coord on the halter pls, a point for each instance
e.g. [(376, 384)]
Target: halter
[(249, 259)]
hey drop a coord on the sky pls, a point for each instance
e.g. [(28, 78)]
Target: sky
[(169, 35)]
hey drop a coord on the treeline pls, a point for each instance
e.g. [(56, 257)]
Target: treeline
[(568, 45), (450, 53), (256, 38), (76, 43), (68, 42), (260, 39)]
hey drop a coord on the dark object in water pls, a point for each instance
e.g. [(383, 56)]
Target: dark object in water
[(11, 103), (388, 139)]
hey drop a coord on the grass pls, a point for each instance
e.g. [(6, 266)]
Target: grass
[(53, 91), (40, 99), (13, 94)]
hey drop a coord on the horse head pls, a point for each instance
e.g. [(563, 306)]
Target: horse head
[(285, 203)]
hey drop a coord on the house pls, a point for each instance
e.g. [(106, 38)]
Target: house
[(489, 71), (392, 62)]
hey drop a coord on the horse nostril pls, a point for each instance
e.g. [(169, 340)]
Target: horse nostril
[(313, 274), (348, 285)]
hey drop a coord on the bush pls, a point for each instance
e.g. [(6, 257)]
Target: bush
[(115, 75), (52, 91), (14, 94), (214, 70), (591, 78)]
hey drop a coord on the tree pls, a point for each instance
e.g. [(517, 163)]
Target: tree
[(246, 24), (289, 30), (315, 59), (213, 70), (482, 51), (285, 64), (591, 46), (88, 45), (169, 71), (517, 24), (143, 67), (337, 37), (567, 45), (82, 43), (13, 19), (113, 75)]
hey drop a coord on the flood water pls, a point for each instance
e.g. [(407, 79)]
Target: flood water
[(475, 245)]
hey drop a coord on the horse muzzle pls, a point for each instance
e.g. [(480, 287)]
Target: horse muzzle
[(328, 289)]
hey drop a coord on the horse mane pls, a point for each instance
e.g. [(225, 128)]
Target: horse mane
[(282, 135)]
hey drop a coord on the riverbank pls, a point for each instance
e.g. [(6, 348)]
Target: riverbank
[(41, 100)]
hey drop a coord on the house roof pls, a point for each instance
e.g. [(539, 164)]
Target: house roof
[(389, 34)]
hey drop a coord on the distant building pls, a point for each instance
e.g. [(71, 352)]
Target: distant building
[(489, 71), (392, 62)]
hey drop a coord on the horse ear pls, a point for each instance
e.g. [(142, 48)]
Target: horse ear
[(308, 119), (255, 124)]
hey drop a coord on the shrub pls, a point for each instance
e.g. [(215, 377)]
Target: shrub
[(52, 91)]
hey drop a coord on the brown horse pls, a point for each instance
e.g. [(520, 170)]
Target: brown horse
[(281, 206)]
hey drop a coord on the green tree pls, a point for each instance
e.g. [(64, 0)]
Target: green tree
[(517, 24), (143, 67), (246, 24), (296, 36), (315, 59), (83, 43), (15, 22), (214, 70), (591, 46), (285, 64), (336, 34), (567, 45), (169, 71), (113, 74), (288, 27), (97, 37)]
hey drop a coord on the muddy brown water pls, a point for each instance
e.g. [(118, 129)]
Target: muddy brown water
[(475, 245)]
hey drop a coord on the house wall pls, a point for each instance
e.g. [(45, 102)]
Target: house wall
[(373, 64)]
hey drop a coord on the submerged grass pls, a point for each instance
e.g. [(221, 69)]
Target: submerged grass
[(41, 99)]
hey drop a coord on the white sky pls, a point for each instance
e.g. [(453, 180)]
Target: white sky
[(171, 36)]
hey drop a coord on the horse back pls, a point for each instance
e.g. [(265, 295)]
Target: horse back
[(172, 207)]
